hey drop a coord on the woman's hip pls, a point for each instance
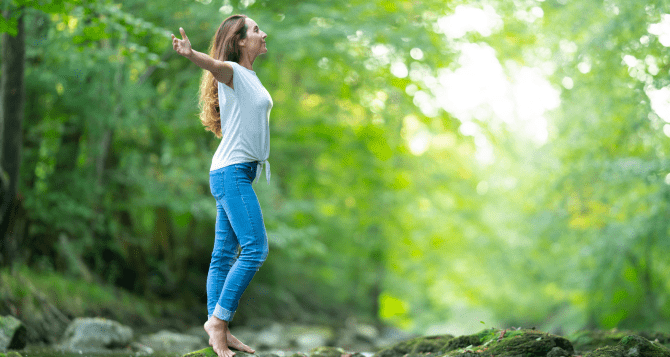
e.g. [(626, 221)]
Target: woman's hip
[(232, 178)]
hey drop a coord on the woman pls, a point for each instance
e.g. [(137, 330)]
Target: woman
[(236, 107)]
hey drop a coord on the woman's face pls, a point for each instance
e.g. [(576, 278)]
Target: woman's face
[(255, 40)]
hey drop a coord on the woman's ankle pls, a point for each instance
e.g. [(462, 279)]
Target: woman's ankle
[(215, 321)]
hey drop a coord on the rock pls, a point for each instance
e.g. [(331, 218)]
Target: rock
[(558, 352), (271, 337), (141, 349), (589, 340), (367, 333), (172, 342), (306, 338), (309, 341), (388, 337), (432, 344), (209, 352), (452, 344), (632, 346), (639, 346), (528, 343), (287, 337), (200, 332), (268, 354), (12, 333), (95, 334), (359, 337), (325, 351), (244, 334), (491, 342)]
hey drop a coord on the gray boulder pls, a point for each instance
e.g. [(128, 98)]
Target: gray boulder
[(271, 337), (307, 337), (172, 342), (12, 333), (96, 334)]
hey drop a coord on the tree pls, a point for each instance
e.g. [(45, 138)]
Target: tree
[(12, 95)]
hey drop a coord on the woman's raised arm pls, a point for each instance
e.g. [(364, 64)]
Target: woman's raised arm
[(223, 72)]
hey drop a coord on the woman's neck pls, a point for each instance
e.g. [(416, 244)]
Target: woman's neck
[(247, 61)]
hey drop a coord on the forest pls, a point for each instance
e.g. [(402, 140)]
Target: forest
[(437, 165)]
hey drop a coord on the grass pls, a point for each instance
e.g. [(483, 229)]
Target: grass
[(30, 290)]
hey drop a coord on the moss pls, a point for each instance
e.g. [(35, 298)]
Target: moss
[(45, 315), (326, 352), (643, 346), (430, 344), (529, 343), (513, 343), (662, 337), (462, 341), (489, 342), (205, 352), (10, 354), (632, 346), (589, 340), (607, 351), (91, 299), (209, 352)]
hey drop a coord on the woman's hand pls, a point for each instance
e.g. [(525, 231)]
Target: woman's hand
[(183, 47)]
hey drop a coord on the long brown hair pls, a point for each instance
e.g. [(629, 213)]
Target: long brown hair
[(224, 47)]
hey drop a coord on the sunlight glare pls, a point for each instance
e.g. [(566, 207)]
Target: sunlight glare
[(399, 70), (416, 53), (226, 8), (660, 103), (416, 134), (567, 82), (419, 143), (661, 30), (468, 19), (482, 89)]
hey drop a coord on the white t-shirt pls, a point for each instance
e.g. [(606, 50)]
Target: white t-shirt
[(245, 121)]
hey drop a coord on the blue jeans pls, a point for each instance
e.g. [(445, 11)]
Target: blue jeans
[(239, 224)]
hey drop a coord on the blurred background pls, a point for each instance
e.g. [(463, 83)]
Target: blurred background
[(437, 166)]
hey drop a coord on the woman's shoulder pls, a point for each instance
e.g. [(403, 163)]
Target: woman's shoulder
[(232, 63)]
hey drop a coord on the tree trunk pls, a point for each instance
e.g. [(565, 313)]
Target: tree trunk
[(11, 139)]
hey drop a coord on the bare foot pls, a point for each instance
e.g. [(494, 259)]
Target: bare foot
[(233, 342), (218, 332)]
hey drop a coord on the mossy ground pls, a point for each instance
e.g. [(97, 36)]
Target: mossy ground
[(532, 343), (632, 346), (46, 298), (489, 342), (32, 288), (590, 340), (205, 352), (10, 354)]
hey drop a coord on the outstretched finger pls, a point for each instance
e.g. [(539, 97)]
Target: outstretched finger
[(183, 34)]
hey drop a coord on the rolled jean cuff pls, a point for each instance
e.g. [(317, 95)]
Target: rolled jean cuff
[(223, 314)]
